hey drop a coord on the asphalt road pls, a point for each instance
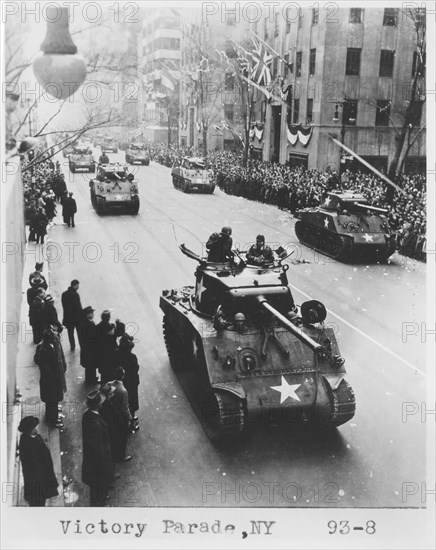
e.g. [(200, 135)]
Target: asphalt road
[(124, 262)]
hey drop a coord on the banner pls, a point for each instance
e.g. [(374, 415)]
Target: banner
[(299, 133)]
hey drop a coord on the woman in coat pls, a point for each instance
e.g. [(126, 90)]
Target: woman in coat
[(40, 481), (52, 384)]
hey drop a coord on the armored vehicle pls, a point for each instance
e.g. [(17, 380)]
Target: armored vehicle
[(81, 158), (114, 189), (191, 175), (244, 353), (136, 152), (66, 151), (109, 145), (345, 227)]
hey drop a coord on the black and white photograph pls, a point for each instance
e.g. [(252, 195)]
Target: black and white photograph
[(218, 274)]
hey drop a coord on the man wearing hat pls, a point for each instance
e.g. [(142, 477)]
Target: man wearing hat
[(36, 315), (72, 310), (52, 384), (129, 362), (219, 246), (97, 466), (40, 481), (37, 274), (69, 208), (259, 253), (87, 333), (50, 315), (107, 334)]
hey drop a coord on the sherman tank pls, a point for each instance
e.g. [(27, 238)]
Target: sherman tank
[(136, 153), (346, 228), (192, 175), (81, 158), (114, 189), (245, 353), (109, 145)]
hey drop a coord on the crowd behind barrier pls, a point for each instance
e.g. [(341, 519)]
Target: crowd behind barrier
[(292, 188)]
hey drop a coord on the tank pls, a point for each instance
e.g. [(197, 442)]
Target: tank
[(114, 189), (346, 228), (136, 153), (81, 158), (244, 353), (109, 145), (191, 174)]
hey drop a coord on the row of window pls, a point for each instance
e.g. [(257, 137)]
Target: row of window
[(352, 64)]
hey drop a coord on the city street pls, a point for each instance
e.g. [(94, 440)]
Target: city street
[(124, 262)]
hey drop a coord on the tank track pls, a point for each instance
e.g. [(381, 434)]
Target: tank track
[(343, 404), (337, 247), (221, 414)]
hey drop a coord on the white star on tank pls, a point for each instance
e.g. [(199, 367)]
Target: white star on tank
[(286, 390)]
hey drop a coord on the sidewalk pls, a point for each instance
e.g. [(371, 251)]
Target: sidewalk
[(28, 383)]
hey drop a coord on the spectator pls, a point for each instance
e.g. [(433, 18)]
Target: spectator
[(129, 362), (72, 311), (69, 208), (87, 333)]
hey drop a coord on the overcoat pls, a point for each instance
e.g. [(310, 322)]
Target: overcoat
[(72, 307), (97, 465), (37, 466), (51, 361)]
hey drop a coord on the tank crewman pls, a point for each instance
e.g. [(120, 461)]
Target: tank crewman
[(219, 246), (103, 159), (259, 253)]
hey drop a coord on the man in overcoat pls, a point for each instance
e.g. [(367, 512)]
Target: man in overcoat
[(36, 315), (40, 481), (97, 466), (72, 311), (87, 333), (52, 384), (129, 362), (107, 335), (69, 208)]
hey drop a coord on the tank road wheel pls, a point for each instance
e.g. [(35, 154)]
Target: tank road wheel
[(100, 206), (343, 405), (173, 345), (185, 187), (222, 416)]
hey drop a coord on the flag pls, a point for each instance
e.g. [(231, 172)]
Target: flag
[(273, 51), (262, 59)]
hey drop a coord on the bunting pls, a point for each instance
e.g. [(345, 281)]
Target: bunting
[(299, 133)]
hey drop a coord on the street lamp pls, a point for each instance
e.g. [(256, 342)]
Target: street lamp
[(348, 116)]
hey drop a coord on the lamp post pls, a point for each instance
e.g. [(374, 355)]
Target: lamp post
[(348, 115)]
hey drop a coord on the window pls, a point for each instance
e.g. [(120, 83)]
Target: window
[(274, 67), (390, 17), (229, 111), (382, 112), (386, 62), (229, 82), (288, 26), (286, 66), (312, 61), (418, 64), (298, 61), (415, 112), (315, 16), (352, 66), (356, 15), (276, 24), (296, 112), (300, 18), (349, 112), (309, 111), (265, 28)]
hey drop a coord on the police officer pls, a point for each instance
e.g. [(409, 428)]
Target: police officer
[(259, 253), (219, 246)]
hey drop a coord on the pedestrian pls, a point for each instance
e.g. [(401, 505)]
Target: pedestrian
[(219, 246), (87, 333), (33, 291), (129, 362), (69, 208), (122, 417), (38, 274), (40, 481), (36, 315), (97, 466), (52, 384), (50, 315), (107, 335), (73, 311), (40, 223)]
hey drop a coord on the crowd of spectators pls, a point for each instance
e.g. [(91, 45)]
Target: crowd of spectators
[(292, 188)]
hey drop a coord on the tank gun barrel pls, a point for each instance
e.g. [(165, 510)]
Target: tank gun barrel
[(314, 346)]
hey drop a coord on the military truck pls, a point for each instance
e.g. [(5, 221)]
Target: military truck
[(245, 354), (81, 158), (137, 153), (191, 174), (114, 189), (109, 145), (346, 227)]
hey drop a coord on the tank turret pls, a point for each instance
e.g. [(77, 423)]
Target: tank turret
[(346, 228), (245, 353)]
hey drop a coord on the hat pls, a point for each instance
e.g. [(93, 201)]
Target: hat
[(260, 238), (49, 298), (88, 309), (108, 390), (35, 280), (226, 230), (95, 398), (75, 282), (28, 423), (106, 313), (39, 265)]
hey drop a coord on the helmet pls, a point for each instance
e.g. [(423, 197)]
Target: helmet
[(226, 230), (260, 238), (239, 317)]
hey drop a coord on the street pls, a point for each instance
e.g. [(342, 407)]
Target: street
[(124, 262)]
